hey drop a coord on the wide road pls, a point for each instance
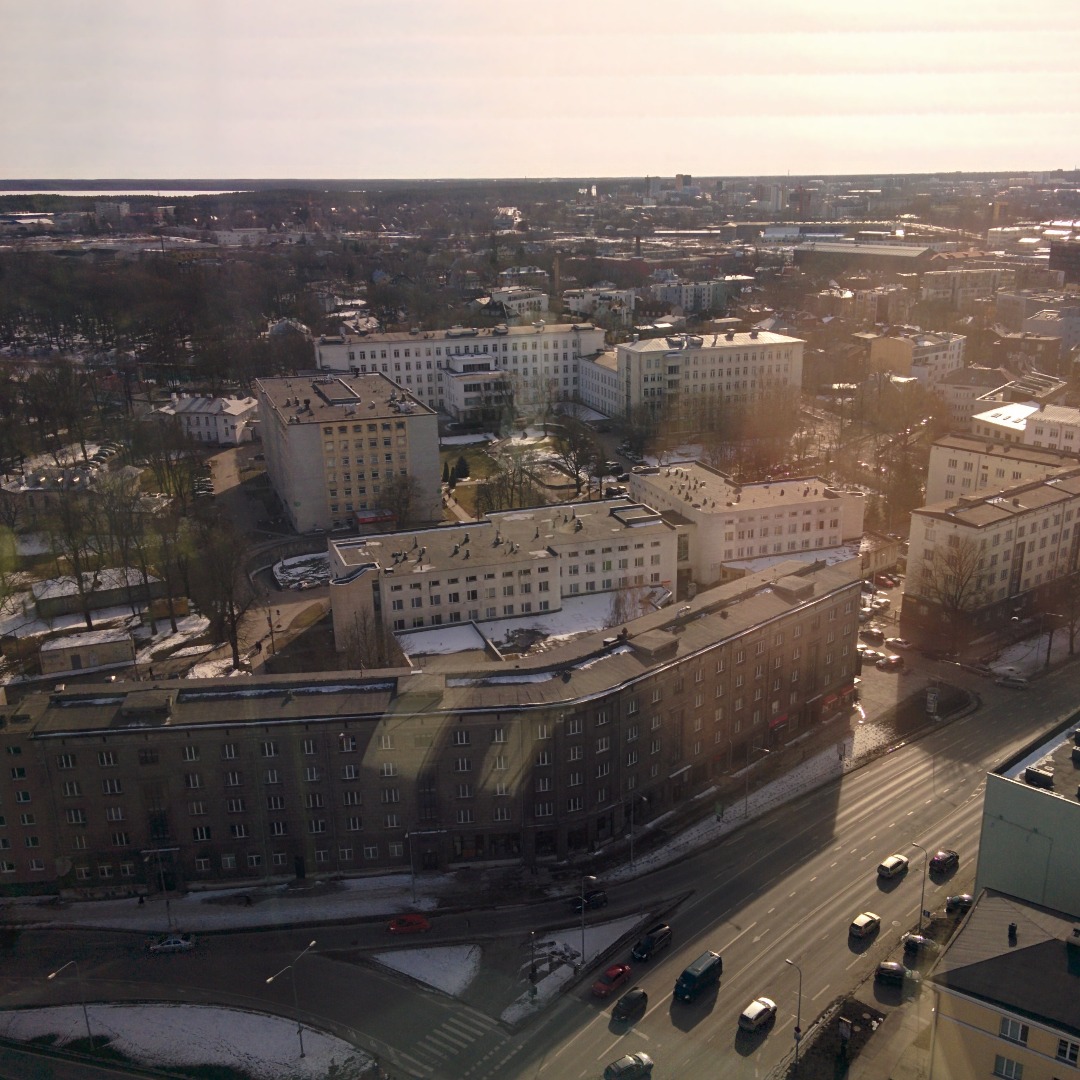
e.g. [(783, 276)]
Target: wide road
[(787, 887)]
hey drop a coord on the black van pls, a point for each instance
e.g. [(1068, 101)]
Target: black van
[(656, 938), (704, 972)]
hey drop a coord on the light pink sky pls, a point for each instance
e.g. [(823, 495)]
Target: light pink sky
[(427, 88)]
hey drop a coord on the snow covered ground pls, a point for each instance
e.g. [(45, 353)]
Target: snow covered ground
[(292, 573), (466, 440), (184, 1035), (578, 615), (166, 643), (440, 640), (448, 968)]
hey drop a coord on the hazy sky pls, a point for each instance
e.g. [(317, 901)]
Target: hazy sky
[(430, 88)]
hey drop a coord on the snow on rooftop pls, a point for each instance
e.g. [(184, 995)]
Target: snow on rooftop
[(440, 640)]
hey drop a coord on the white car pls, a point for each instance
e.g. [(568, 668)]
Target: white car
[(758, 1014), (893, 866), (171, 943)]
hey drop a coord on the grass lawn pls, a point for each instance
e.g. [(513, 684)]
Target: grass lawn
[(480, 462)]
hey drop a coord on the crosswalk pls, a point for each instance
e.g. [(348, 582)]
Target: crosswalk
[(450, 1049)]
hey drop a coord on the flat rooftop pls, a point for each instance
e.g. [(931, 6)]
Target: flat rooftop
[(690, 342), (463, 334), (339, 397)]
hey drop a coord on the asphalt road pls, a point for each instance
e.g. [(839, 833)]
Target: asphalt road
[(785, 887)]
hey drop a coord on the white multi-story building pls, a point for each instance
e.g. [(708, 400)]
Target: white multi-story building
[(961, 288), (220, 421), (690, 296), (961, 389), (1056, 427), (928, 357), (521, 303), (968, 465), (616, 304), (728, 522), (599, 386), (1005, 422), (541, 359), (514, 563), (1012, 548), (741, 368), (1063, 324), (334, 442)]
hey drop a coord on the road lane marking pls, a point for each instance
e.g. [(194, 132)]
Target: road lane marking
[(820, 992)]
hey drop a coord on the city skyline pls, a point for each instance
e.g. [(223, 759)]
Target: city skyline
[(415, 89)]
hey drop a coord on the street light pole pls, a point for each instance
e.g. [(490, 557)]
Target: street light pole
[(82, 995), (922, 895), (746, 795), (412, 866), (798, 1014), (633, 803), (296, 1007), (587, 879)]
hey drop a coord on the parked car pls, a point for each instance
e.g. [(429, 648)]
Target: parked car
[(758, 1014), (869, 587), (629, 1067), (615, 976), (408, 924), (943, 861), (959, 903), (631, 1005), (171, 943), (891, 973), (890, 663), (880, 603), (656, 938), (893, 866), (897, 643), (873, 635), (917, 943), (865, 925), (594, 898)]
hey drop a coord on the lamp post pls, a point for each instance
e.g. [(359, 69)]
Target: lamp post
[(798, 1013), (296, 1008), (82, 994), (922, 895), (1050, 616), (412, 865), (161, 877), (587, 879), (746, 795), (532, 948)]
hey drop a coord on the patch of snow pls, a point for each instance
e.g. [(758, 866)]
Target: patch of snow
[(578, 615), (448, 968), (186, 1035), (466, 440), (212, 669), (441, 640)]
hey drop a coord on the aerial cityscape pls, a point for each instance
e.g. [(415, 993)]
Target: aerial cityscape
[(597, 597)]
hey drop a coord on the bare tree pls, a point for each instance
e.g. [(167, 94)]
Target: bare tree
[(367, 643), (219, 583), (628, 602), (400, 495), (73, 526), (953, 581), (577, 449)]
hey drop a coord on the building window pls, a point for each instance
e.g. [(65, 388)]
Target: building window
[(371, 851), (1014, 1031), (228, 751), (270, 749), (106, 758), (191, 753), (65, 761), (1068, 1051), (192, 780), (1006, 1067), (200, 832)]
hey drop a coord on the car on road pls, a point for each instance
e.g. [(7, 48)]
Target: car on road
[(631, 1005), (890, 972), (629, 1067), (865, 925), (941, 862), (880, 604), (171, 943), (1013, 682), (408, 924), (893, 866), (892, 662), (758, 1014), (895, 643), (959, 903), (655, 939), (615, 976), (594, 898), (873, 635)]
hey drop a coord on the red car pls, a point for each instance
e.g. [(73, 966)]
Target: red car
[(611, 980), (408, 924)]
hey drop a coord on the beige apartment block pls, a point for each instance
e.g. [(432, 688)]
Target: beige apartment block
[(334, 442)]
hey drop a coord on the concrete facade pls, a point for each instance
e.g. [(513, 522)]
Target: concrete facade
[(332, 442)]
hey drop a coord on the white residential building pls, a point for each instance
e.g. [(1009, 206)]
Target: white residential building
[(669, 372), (961, 288), (334, 441), (1005, 422), (616, 304), (599, 386), (513, 563), (728, 522), (969, 465), (1022, 539), (688, 296), (222, 421), (521, 303), (1063, 324), (1056, 427), (541, 359)]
